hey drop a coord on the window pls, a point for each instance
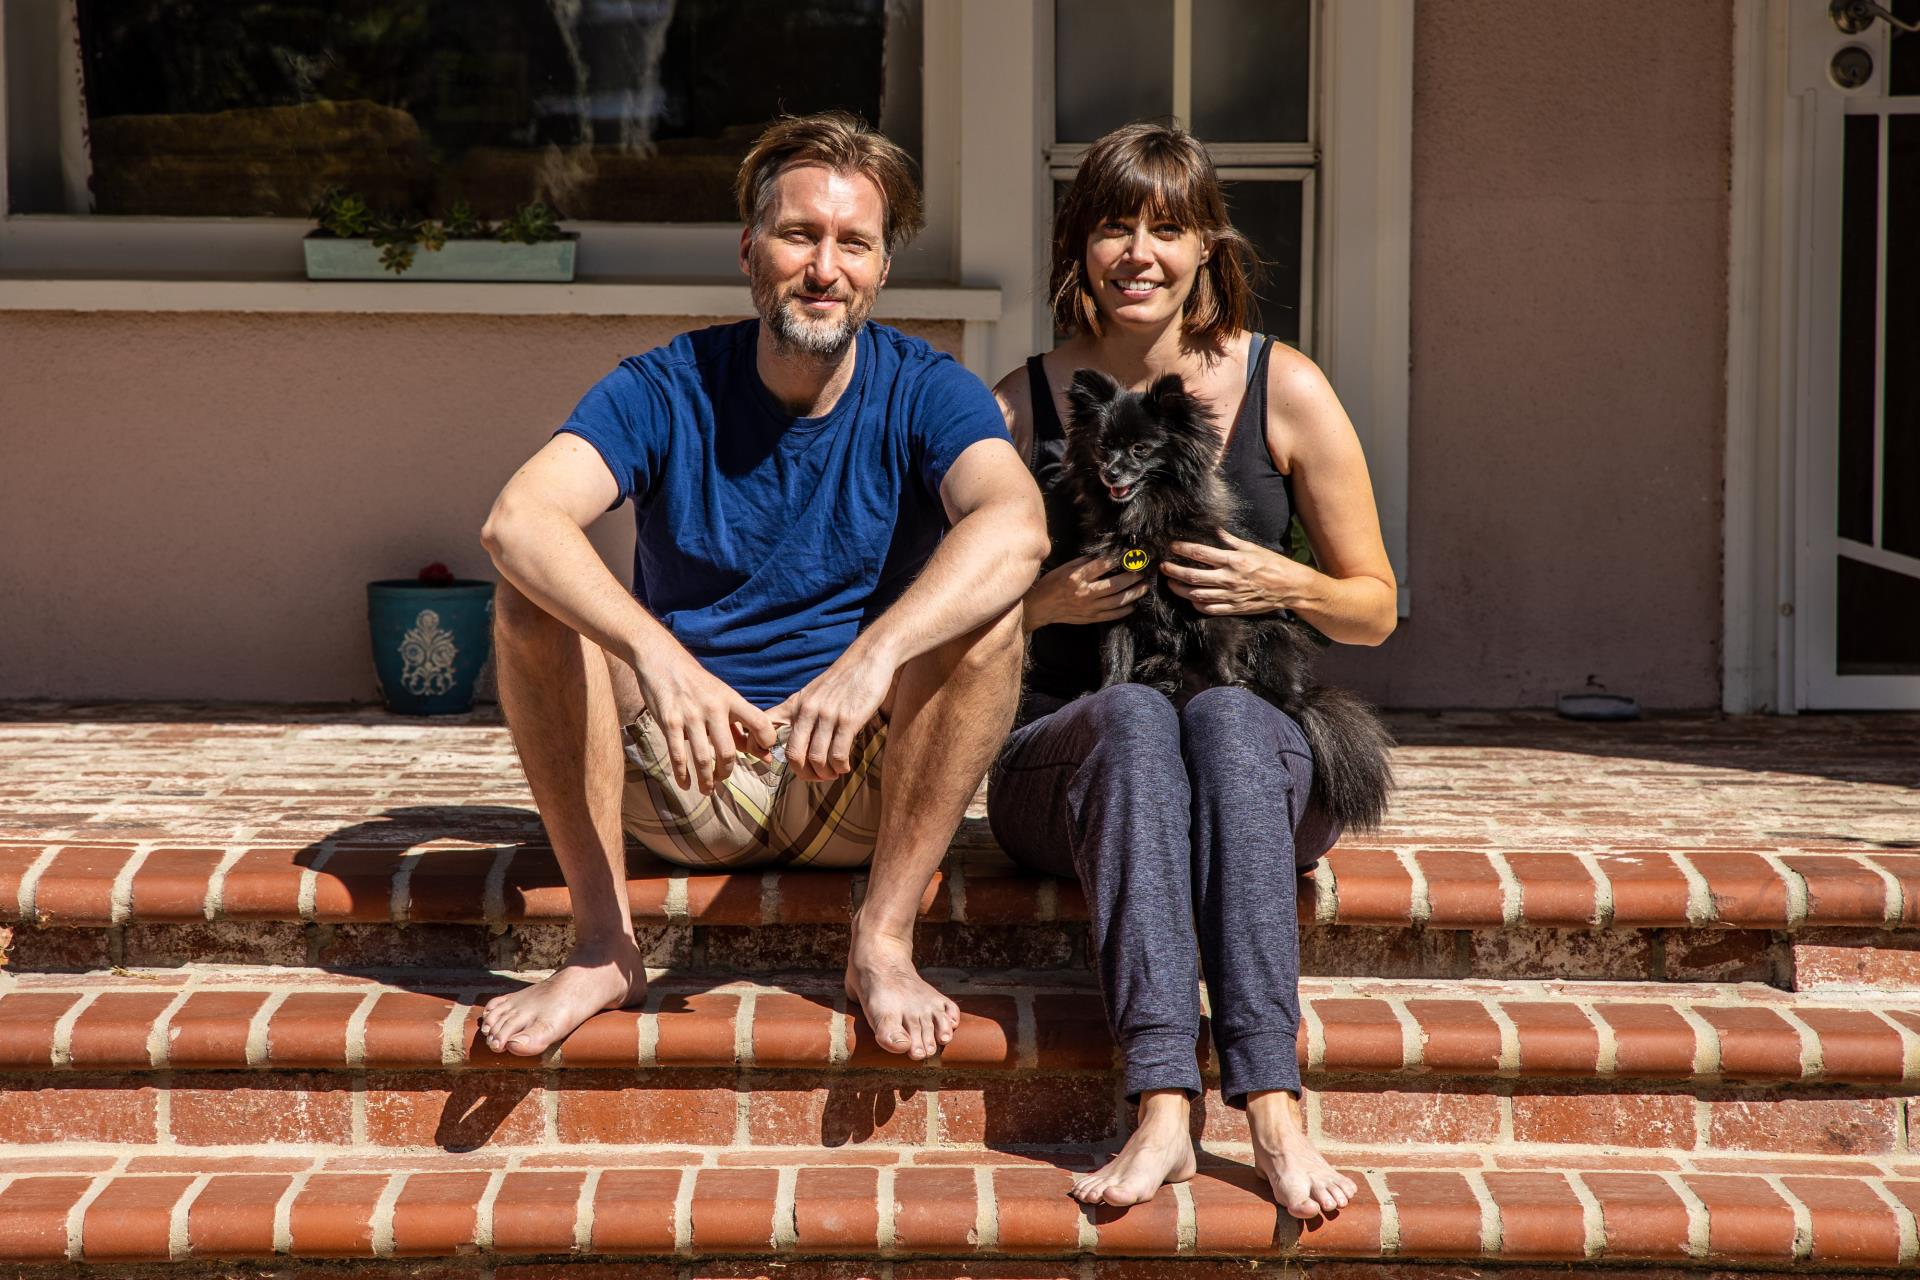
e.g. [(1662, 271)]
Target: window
[(1239, 73)]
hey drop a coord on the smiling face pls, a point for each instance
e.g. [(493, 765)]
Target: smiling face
[(1142, 266), (817, 258)]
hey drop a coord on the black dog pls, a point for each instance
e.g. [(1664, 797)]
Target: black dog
[(1141, 466)]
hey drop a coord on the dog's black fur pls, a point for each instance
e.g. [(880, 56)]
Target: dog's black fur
[(1141, 467)]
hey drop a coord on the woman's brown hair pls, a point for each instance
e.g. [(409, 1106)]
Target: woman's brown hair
[(1163, 169), (844, 143)]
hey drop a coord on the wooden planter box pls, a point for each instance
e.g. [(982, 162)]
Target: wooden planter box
[(329, 258)]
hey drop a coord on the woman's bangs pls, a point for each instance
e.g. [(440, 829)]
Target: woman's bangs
[(1161, 185)]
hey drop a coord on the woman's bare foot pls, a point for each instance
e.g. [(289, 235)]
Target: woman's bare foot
[(906, 1015), (527, 1021), (1303, 1183), (1160, 1151)]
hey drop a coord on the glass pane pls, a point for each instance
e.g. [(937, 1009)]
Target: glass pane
[(1113, 64), (1903, 76), (1900, 408), (1859, 302), (1251, 63), (1269, 214), (606, 109), (1877, 621)]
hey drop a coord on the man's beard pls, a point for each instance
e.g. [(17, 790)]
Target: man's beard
[(795, 334)]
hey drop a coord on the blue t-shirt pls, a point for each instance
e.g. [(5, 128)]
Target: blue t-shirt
[(766, 542)]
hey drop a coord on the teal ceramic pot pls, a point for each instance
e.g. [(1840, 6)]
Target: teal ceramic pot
[(429, 643)]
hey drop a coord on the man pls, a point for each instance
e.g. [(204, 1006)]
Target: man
[(834, 533)]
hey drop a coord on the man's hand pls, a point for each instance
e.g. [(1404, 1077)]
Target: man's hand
[(831, 709), (705, 722), (1240, 577)]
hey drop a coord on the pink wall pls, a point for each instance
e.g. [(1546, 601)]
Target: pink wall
[(1570, 212), (189, 504)]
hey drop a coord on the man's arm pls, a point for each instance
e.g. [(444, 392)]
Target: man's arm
[(986, 562), (536, 534)]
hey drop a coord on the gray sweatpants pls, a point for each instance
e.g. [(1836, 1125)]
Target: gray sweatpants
[(1182, 827)]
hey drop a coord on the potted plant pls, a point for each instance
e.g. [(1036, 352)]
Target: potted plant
[(353, 242), (431, 635)]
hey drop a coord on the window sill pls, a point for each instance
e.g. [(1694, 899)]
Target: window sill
[(21, 291)]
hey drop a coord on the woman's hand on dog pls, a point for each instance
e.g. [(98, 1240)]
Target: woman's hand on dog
[(1240, 577), (1083, 591)]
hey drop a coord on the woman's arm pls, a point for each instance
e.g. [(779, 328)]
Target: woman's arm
[(1352, 596)]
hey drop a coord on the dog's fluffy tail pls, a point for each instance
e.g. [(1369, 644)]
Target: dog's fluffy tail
[(1351, 772)]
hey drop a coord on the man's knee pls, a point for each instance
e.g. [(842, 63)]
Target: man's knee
[(989, 654)]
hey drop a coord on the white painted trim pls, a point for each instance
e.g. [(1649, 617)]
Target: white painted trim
[(1363, 339), (587, 298)]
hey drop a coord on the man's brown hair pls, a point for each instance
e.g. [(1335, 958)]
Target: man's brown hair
[(844, 143), (1163, 169)]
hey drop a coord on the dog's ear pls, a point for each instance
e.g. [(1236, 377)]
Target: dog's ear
[(1167, 392), (1091, 390)]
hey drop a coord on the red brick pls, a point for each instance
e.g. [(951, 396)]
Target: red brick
[(1644, 1217), (63, 1108), (1718, 955), (1607, 1119), (1832, 1126), (1439, 1214), (15, 861), (536, 1212), (1051, 1110), (309, 1029), (1234, 1213), (113, 1030), (1555, 1039), (1004, 899), (447, 885), (436, 1214), (1459, 1035), (696, 1030), (264, 884), (796, 1110), (724, 898), (1462, 888), (1070, 1033), (645, 1108), (1555, 889), (1362, 1035), (1755, 1043), (988, 1269), (27, 1023), (1890, 962), (210, 1029), (1649, 1039), (404, 1029), (1152, 1227), (733, 1210), (128, 1222), (1746, 1221), (222, 1109), (455, 1111), (1851, 1225), (793, 1030), (1905, 868), (1540, 1216), (1745, 888), (355, 884), (33, 1217), (633, 1210), (1649, 889), (1354, 1114), (988, 1034), (56, 947), (1036, 1214), (819, 897), (1839, 890), (836, 1211), (609, 1039), (77, 886), (1856, 1045), (934, 1210), (332, 1216), (232, 1217), (172, 884), (1372, 887)]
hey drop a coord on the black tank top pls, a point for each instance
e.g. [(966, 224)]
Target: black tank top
[(1064, 659)]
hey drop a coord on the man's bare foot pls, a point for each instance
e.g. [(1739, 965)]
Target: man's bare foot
[(1160, 1151), (1303, 1183), (906, 1015), (527, 1021)]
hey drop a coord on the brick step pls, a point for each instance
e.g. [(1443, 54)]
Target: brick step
[(1805, 920), (961, 1207), (214, 1059)]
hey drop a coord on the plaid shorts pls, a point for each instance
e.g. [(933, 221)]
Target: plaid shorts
[(760, 816)]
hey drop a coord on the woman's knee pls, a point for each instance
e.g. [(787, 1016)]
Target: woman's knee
[(1231, 717), (1132, 720)]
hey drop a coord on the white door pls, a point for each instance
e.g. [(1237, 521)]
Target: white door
[(1857, 600)]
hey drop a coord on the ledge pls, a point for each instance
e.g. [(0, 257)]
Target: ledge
[(29, 292)]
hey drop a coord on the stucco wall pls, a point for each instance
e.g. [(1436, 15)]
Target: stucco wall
[(1570, 211)]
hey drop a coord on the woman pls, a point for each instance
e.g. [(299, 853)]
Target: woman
[(1186, 825)]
